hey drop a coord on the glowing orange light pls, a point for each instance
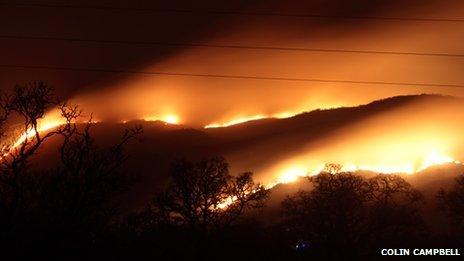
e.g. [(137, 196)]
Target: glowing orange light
[(283, 115), (50, 121), (291, 171), (244, 119), (236, 121), (434, 157), (171, 119), (292, 174), (168, 118), (227, 202)]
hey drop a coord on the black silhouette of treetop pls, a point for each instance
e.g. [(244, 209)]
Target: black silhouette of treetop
[(331, 212), (348, 212), (76, 198), (27, 105), (452, 202), (81, 189), (392, 190), (393, 206), (4, 112), (203, 196)]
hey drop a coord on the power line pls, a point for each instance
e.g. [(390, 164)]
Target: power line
[(246, 13), (228, 46), (227, 76)]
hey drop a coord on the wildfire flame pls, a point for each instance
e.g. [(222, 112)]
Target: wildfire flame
[(291, 173), (236, 121), (227, 202), (243, 119), (168, 118), (50, 121), (401, 150)]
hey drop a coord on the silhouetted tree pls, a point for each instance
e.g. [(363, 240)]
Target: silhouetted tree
[(203, 196), (64, 208), (452, 203), (202, 201), (393, 215), (331, 215), (347, 214), (4, 112), (26, 104), (80, 194)]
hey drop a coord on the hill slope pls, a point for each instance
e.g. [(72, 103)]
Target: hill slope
[(254, 145)]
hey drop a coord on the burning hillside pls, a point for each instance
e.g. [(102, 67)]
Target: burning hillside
[(403, 134)]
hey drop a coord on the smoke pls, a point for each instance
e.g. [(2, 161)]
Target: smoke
[(200, 101)]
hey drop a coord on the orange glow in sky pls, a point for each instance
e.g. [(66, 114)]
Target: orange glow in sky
[(167, 118)]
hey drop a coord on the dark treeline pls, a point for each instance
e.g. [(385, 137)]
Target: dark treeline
[(73, 210)]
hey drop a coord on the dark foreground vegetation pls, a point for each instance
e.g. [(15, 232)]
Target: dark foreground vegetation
[(73, 210)]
